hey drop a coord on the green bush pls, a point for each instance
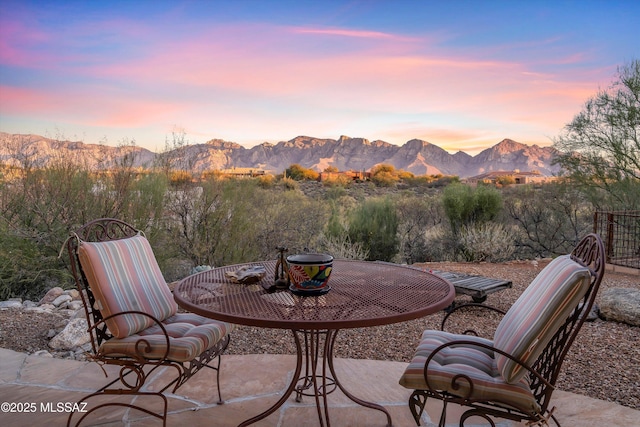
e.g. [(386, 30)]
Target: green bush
[(26, 270), (374, 225), (465, 205)]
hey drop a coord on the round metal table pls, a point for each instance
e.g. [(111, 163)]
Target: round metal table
[(362, 294)]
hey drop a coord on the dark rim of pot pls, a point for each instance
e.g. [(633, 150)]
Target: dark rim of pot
[(309, 258)]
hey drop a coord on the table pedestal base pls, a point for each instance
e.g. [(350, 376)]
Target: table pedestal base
[(317, 381)]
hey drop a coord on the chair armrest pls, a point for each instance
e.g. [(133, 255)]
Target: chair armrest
[(142, 345), (472, 306)]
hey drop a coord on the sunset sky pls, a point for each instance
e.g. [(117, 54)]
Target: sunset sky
[(460, 74)]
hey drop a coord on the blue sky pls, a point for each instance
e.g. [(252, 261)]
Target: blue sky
[(460, 74)]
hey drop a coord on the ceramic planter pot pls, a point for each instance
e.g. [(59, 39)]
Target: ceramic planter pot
[(309, 273)]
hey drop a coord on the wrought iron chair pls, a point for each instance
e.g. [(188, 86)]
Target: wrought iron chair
[(133, 319), (513, 375)]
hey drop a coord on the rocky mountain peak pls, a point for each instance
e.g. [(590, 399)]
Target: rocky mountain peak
[(346, 140), (508, 146), (416, 144), (223, 145)]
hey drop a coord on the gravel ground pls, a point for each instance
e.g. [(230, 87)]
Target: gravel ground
[(603, 363)]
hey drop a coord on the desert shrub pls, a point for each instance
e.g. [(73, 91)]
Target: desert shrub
[(415, 216), (26, 270), (289, 184), (222, 222), (551, 218), (146, 199), (287, 218), (374, 225), (444, 181), (178, 178), (465, 205), (266, 181), (341, 247), (505, 180), (337, 181), (193, 217), (440, 245), (335, 193), (299, 173), (41, 205), (384, 175), (489, 241)]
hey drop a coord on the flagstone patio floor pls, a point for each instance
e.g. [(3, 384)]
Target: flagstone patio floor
[(250, 384)]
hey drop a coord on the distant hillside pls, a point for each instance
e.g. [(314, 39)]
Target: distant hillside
[(416, 156)]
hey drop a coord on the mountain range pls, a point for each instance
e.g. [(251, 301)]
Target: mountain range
[(416, 156)]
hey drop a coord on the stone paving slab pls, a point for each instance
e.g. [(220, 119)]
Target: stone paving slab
[(250, 384)]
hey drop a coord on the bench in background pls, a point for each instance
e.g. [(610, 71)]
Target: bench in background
[(477, 287)]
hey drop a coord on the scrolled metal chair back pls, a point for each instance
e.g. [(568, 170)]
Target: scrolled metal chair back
[(589, 252), (100, 230)]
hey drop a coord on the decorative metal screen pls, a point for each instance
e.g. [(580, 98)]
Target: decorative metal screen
[(620, 232)]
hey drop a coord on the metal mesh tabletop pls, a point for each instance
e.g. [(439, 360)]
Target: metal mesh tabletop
[(362, 294)]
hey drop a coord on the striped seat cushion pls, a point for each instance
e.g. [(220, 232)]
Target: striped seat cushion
[(477, 363), (535, 317), (189, 336), (124, 276)]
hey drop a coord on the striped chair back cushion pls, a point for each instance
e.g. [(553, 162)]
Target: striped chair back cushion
[(124, 276), (535, 317)]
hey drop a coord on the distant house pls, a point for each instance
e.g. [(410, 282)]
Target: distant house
[(517, 177), (243, 172), (352, 175)]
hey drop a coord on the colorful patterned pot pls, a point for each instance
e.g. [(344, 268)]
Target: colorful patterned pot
[(309, 273)]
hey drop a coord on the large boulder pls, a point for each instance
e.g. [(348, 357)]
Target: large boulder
[(621, 305), (73, 335)]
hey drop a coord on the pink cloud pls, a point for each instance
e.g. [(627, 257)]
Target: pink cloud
[(19, 43), (342, 32), (269, 64), (97, 109), (18, 101)]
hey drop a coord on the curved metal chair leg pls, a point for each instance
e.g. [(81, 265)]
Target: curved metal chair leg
[(417, 402), (84, 415)]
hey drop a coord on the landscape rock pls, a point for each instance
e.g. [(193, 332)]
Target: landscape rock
[(61, 300), (621, 305), (73, 335), (75, 306), (73, 293), (10, 304), (51, 295), (594, 313)]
